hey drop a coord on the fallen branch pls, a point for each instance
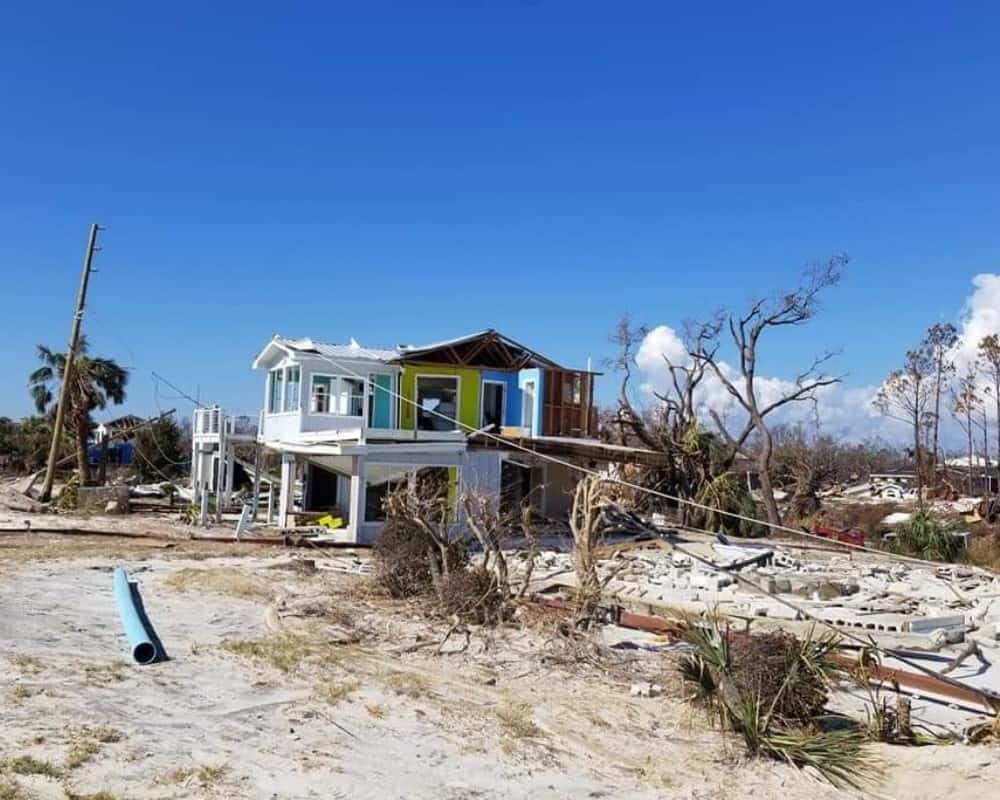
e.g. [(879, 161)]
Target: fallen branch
[(970, 649)]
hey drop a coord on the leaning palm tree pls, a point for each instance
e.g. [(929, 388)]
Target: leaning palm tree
[(95, 383)]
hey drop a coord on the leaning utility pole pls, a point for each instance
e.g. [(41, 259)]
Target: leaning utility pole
[(67, 376)]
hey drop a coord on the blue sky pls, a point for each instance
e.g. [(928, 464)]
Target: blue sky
[(401, 172)]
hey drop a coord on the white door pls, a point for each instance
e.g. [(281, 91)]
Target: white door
[(528, 407)]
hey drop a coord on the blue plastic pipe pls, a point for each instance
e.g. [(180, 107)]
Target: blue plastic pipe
[(140, 639)]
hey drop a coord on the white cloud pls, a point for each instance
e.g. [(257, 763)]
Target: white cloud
[(980, 317), (845, 411)]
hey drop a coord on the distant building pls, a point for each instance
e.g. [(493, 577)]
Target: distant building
[(120, 434)]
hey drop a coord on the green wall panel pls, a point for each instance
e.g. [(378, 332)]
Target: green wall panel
[(468, 392)]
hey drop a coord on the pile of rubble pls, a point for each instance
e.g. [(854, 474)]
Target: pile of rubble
[(938, 616)]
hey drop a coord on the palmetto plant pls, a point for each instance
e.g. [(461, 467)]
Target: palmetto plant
[(95, 382), (771, 689)]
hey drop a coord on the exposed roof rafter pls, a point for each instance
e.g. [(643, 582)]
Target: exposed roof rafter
[(486, 349)]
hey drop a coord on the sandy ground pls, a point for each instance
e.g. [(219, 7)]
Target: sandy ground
[(353, 706)]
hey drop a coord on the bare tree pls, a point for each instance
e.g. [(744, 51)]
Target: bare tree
[(989, 359), (965, 403), (423, 508), (984, 426), (905, 396), (790, 309), (940, 342)]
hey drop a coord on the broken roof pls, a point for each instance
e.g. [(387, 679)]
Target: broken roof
[(487, 348), (308, 346)]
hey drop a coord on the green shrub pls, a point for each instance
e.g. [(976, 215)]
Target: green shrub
[(727, 493), (926, 535)]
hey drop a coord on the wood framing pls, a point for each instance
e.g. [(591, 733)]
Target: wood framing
[(489, 350), (568, 404)]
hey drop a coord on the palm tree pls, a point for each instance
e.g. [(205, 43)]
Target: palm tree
[(95, 383)]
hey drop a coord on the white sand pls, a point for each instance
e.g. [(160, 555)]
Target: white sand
[(275, 739)]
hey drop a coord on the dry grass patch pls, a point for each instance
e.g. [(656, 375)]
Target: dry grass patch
[(82, 752), (104, 794), (19, 694), (409, 684), (205, 775), (104, 734), (12, 790), (29, 765), (86, 743), (334, 692), (114, 672), (222, 580), (516, 720), (283, 653), (28, 664)]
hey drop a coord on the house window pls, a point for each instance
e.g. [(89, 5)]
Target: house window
[(352, 397), (292, 394), (277, 387), (437, 488), (494, 394), (336, 394), (319, 402), (437, 403), (380, 481)]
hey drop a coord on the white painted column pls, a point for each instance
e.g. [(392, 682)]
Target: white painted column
[(287, 497), (270, 503), (203, 517), (230, 452), (256, 481), (356, 513), (195, 456)]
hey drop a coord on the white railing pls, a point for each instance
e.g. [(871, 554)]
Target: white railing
[(208, 422)]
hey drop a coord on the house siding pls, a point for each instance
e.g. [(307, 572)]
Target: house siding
[(512, 399)]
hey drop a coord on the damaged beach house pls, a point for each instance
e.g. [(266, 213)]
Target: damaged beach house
[(352, 422)]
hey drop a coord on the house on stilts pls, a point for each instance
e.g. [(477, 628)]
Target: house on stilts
[(475, 414)]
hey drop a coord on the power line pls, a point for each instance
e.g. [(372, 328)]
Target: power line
[(181, 392), (628, 484), (868, 643)]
